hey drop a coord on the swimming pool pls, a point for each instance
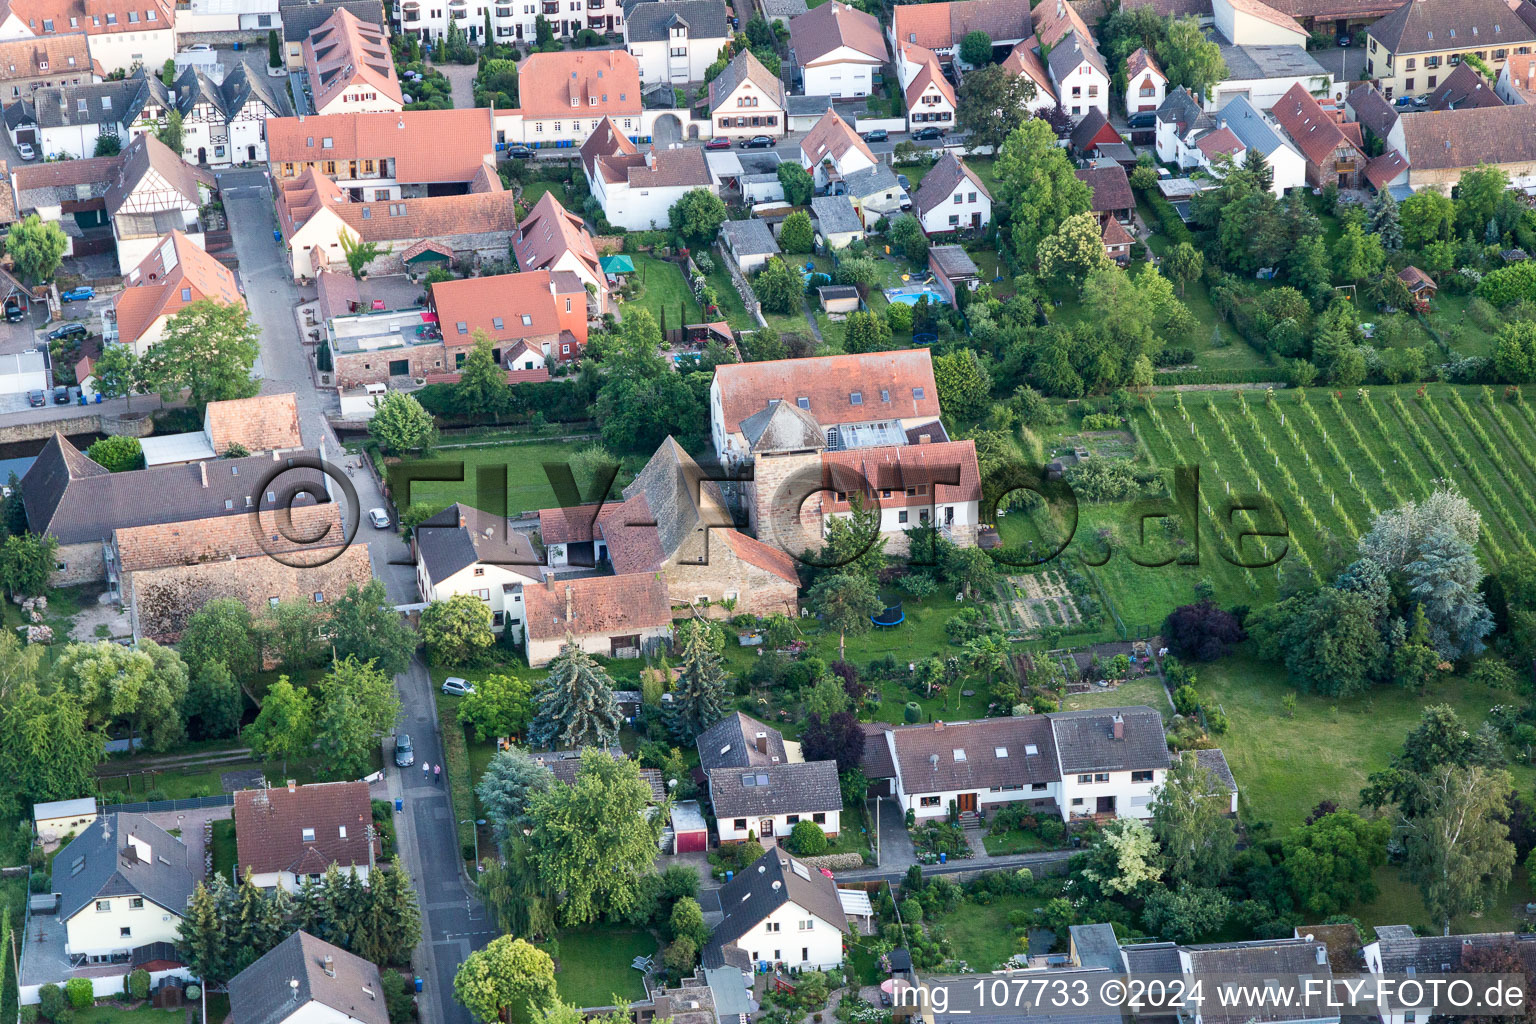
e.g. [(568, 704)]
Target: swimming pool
[(910, 298)]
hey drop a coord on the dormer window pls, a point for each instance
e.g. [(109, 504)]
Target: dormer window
[(309, 835), (803, 402), (856, 398), (496, 322), (527, 320)]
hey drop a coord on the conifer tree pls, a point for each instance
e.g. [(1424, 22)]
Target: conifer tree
[(701, 697), (575, 708)]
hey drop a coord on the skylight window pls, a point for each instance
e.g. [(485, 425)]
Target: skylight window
[(959, 753), (1000, 751)]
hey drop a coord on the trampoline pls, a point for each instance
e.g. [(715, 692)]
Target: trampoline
[(892, 616)]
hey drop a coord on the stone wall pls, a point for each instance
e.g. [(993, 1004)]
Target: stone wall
[(758, 591), (775, 510), (88, 421), (83, 563), (162, 600), (354, 369), (484, 247)]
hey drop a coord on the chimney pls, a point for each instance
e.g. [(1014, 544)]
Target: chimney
[(549, 582), (938, 726), (329, 966), (202, 471), (570, 600), (925, 439), (461, 517), (293, 786), (1119, 727), (762, 743)]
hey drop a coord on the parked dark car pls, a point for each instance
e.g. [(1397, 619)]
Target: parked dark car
[(756, 142), (877, 135), (1142, 119), (36, 399), (61, 395), (904, 182), (519, 152), (718, 142), (1345, 39), (74, 330), (925, 134), (15, 309)]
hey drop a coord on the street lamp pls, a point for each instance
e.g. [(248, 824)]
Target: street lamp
[(477, 822)]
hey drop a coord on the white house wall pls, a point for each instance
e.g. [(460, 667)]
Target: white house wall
[(488, 587), (1264, 93), (843, 72), (92, 932), (782, 937), (1132, 799), (972, 201), (782, 825), (128, 50)]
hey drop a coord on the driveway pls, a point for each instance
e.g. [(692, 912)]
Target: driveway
[(896, 852), (190, 824), (461, 78), (1346, 65)]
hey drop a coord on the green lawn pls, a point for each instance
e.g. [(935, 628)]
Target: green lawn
[(732, 306), (594, 965), (528, 486), (112, 1013), (1285, 766), (181, 784), (1015, 841), (663, 291), (981, 935), (1448, 316), (224, 853), (1147, 690)]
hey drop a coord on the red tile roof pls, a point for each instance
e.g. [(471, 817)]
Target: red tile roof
[(945, 472), (549, 232), (832, 136), (431, 217), (428, 146), (1384, 169), (568, 525), (1140, 61), (40, 56), (1024, 60), (1219, 141), (270, 824), (823, 29), (1111, 188), (764, 556), (826, 382), (926, 25), (1315, 133), (175, 274), (930, 74), (528, 305), (264, 423), (597, 605), (1053, 19), (579, 83), (98, 18), (1114, 234), (344, 52)]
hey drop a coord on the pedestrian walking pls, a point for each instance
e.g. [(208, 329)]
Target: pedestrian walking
[(426, 770), (437, 774)]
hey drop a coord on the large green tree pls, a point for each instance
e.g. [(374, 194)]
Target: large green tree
[(698, 216), (400, 424), (1458, 848), (1426, 216), (120, 374), (482, 384), (457, 631), (845, 601), (214, 702), (1446, 579), (701, 696), (777, 287), (117, 684), (221, 630), (1125, 861), (1037, 185), (285, 727), (575, 706), (47, 749), (993, 103), (508, 977), (594, 840), (208, 347), (502, 705), (357, 707), (507, 789), (1329, 861), (37, 246), (1190, 58), (365, 625), (1190, 822), (796, 234)]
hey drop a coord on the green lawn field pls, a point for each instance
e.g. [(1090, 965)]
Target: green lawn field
[(528, 487)]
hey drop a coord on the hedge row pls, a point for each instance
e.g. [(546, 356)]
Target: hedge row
[(1256, 375)]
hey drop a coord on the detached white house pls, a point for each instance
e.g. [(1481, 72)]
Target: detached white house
[(121, 888), (1145, 83), (463, 550), (303, 980), (746, 100), (839, 48), (758, 788), (781, 912), (676, 40), (636, 190), (952, 197), (833, 149), (55, 819)]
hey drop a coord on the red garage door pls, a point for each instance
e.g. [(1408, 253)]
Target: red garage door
[(692, 842)]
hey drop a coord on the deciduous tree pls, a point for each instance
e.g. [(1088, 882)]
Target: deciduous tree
[(1037, 184), (47, 749), (118, 453), (457, 631), (284, 728), (698, 216), (508, 976), (1190, 58), (1328, 861), (208, 347), (365, 625), (1074, 250), (1189, 820), (993, 102), (117, 684), (965, 385), (400, 424), (1126, 858), (37, 247), (501, 705), (221, 630), (777, 287), (1458, 848), (357, 706), (797, 182)]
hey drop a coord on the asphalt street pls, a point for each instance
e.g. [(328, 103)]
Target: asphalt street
[(454, 921)]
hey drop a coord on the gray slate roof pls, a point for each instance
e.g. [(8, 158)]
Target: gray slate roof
[(975, 755), (868, 181), (945, 176), (732, 742), (762, 888), (446, 547), (652, 22), (836, 214), (783, 427), (1096, 945), (750, 237), (807, 106), (1069, 52), (73, 499), (804, 787), (262, 993), (1250, 126), (1372, 110), (1215, 762), (1086, 742), (98, 865), (742, 67), (1181, 108), (953, 261), (1151, 958), (301, 17), (1403, 952), (105, 103), (1250, 63), (1284, 959)]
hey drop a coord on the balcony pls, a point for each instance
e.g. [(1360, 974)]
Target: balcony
[(552, 8)]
